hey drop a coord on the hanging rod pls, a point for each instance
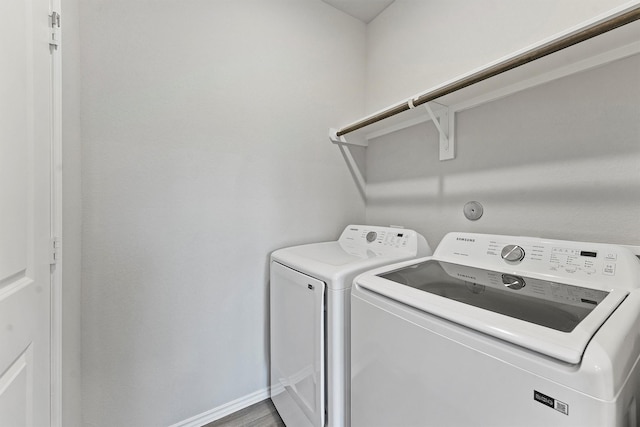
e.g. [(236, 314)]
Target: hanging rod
[(563, 42)]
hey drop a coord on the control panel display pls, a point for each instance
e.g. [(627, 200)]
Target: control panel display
[(369, 241), (592, 262), (386, 238), (555, 259), (573, 260)]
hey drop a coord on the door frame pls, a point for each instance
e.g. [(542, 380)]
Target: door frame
[(56, 226)]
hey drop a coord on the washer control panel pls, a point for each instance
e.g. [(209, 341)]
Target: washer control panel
[(382, 240), (592, 262)]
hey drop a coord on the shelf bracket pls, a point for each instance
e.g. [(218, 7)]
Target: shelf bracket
[(442, 123), (341, 140), (352, 164), (354, 169)]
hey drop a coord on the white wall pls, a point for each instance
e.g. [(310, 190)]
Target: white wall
[(72, 216), (204, 148), (558, 161)]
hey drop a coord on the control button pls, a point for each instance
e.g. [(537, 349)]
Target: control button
[(371, 236), (609, 269), (611, 257), (512, 253), (513, 282)]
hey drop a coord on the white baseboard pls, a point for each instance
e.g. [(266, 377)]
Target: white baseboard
[(224, 410)]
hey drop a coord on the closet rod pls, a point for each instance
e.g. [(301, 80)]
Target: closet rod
[(501, 67)]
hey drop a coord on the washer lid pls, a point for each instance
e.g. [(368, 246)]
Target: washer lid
[(555, 319), (332, 253)]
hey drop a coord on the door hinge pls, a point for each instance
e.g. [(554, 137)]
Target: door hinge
[(54, 253), (54, 30)]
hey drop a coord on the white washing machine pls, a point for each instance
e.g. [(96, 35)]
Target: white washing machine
[(310, 290), (499, 331)]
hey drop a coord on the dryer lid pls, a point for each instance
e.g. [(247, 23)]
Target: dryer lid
[(552, 318)]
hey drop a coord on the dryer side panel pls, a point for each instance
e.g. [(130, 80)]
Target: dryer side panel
[(297, 346)]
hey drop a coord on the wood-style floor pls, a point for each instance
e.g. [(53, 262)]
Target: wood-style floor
[(261, 414)]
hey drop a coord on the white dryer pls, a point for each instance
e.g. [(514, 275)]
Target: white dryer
[(309, 310), (499, 331)]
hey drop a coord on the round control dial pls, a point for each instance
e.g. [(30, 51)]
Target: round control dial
[(513, 282), (512, 253), (372, 236)]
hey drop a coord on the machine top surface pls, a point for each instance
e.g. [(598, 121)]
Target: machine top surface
[(550, 296), (359, 248)]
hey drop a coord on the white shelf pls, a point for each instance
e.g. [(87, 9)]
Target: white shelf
[(616, 44)]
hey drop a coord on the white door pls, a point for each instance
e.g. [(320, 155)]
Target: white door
[(25, 213)]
